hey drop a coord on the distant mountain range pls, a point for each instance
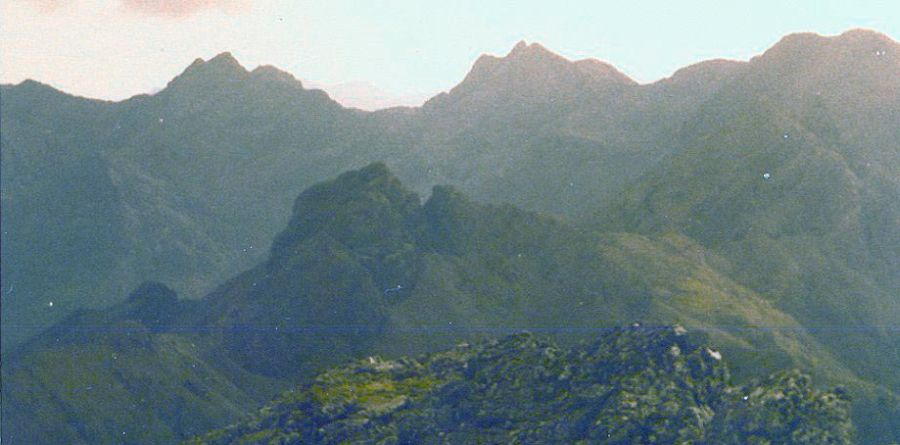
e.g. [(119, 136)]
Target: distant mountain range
[(758, 201)]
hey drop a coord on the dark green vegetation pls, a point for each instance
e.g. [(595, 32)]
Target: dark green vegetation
[(668, 219), (631, 386)]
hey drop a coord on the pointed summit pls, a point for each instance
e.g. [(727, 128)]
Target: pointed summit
[(519, 47), (222, 64), (534, 51), (225, 57)]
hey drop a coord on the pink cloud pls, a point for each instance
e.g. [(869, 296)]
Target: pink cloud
[(182, 8)]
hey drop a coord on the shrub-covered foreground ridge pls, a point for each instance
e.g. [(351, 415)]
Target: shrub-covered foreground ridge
[(630, 386)]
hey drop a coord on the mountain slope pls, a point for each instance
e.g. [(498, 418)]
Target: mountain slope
[(534, 129), (189, 185), (790, 173), (364, 268), (172, 187), (62, 215)]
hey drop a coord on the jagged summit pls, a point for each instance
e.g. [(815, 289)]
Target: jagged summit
[(536, 56), (221, 69), (222, 64), (222, 61), (535, 53), (224, 73), (532, 73), (534, 50)]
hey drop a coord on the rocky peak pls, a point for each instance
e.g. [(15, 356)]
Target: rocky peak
[(531, 73), (365, 209), (533, 51), (223, 63), (221, 69)]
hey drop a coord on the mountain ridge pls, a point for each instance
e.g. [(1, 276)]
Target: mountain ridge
[(621, 133), (762, 190), (855, 33), (365, 268)]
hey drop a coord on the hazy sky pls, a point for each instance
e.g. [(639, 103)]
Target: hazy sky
[(118, 48)]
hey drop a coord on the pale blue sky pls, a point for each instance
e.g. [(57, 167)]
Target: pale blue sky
[(117, 48)]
